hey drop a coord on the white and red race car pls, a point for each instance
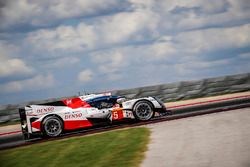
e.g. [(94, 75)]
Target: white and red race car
[(53, 118)]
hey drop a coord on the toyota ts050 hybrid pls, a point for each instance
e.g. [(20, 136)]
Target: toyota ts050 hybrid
[(53, 118)]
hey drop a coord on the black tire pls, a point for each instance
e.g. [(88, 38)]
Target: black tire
[(143, 110), (52, 126)]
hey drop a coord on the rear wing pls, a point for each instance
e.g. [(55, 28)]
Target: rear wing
[(23, 120)]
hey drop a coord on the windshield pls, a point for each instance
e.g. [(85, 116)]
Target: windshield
[(104, 103)]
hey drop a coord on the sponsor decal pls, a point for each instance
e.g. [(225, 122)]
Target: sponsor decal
[(45, 110), (129, 114), (72, 116), (68, 102)]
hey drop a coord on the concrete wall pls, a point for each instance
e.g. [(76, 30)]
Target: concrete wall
[(191, 89), (166, 92)]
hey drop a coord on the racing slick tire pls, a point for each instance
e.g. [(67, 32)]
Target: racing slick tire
[(52, 126), (143, 110)]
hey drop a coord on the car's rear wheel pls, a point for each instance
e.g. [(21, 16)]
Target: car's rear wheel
[(143, 110), (52, 126)]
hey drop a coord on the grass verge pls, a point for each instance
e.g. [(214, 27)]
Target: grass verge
[(121, 148)]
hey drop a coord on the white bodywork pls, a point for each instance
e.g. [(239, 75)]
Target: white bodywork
[(80, 114)]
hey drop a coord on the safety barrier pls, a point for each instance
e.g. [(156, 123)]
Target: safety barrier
[(166, 92)]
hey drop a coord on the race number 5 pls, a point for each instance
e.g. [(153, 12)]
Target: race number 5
[(115, 115)]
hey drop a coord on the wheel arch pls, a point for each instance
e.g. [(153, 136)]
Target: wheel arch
[(146, 101), (55, 115), (152, 105)]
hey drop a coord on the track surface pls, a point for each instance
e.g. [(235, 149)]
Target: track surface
[(218, 140), (9, 139)]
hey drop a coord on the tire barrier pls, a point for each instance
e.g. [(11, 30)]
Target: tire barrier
[(166, 92)]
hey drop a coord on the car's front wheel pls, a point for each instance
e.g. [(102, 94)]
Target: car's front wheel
[(143, 110), (52, 126)]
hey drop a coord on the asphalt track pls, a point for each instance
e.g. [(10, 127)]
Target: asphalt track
[(217, 140), (14, 138)]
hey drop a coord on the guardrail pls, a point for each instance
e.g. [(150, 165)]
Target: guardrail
[(166, 92)]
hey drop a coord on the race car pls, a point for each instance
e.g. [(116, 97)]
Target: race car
[(54, 118)]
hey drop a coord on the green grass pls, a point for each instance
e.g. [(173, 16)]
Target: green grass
[(121, 148)]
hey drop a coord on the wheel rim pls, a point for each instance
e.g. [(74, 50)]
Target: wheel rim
[(144, 111), (53, 127)]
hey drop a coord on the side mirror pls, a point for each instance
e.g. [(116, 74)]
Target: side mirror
[(120, 100)]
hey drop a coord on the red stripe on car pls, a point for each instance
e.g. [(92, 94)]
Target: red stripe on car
[(75, 124), (36, 125)]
